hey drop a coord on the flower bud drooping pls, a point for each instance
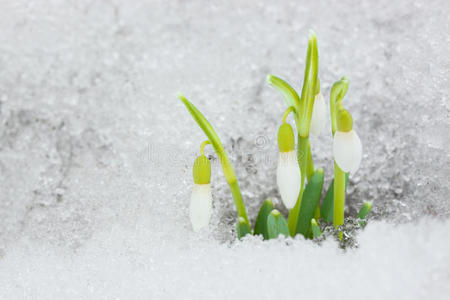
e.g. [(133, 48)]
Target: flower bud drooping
[(201, 197), (319, 115), (347, 147), (288, 170)]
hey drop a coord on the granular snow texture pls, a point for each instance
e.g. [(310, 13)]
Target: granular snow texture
[(96, 151)]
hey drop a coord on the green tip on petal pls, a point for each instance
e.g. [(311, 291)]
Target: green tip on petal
[(202, 170), (344, 120), (286, 139)]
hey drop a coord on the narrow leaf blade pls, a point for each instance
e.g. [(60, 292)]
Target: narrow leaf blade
[(327, 209), (310, 201), (203, 123), (261, 220), (289, 94)]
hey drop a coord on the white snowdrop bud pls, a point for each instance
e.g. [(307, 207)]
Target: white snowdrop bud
[(201, 198), (319, 115), (288, 178), (288, 170), (201, 206), (347, 147)]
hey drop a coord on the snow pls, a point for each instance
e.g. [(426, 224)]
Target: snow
[(96, 151), (407, 262)]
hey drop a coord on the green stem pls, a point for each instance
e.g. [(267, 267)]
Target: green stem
[(230, 177), (287, 112), (202, 147), (237, 197), (339, 196), (310, 164), (302, 156)]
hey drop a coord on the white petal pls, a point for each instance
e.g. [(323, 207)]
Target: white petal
[(288, 178), (347, 150), (319, 115), (201, 206)]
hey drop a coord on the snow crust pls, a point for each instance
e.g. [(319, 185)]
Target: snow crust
[(96, 151)]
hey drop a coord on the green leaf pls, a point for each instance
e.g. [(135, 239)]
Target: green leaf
[(223, 158), (261, 220), (363, 212), (288, 92), (309, 84), (315, 229), (306, 76), (203, 123), (310, 201), (242, 228), (327, 208), (276, 225)]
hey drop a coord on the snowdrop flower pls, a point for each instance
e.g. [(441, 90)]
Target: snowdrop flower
[(201, 197), (347, 147), (288, 170), (319, 115)]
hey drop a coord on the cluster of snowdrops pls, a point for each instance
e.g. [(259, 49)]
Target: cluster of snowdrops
[(300, 185)]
